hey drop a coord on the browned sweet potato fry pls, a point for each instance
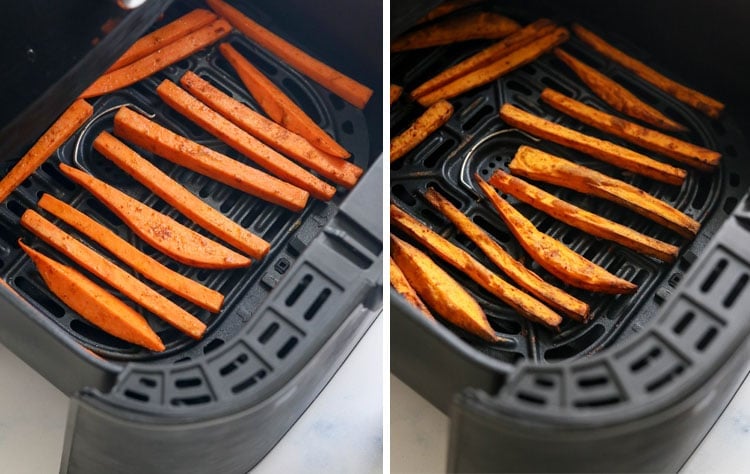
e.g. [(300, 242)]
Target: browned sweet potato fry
[(540, 166), (581, 218), (684, 152), (705, 104), (552, 254), (395, 92), (606, 151), (475, 25), (441, 291), (617, 96), (525, 278), (402, 286), (527, 306), (446, 8), (433, 118)]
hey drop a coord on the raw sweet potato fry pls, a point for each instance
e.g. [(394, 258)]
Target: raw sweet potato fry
[(618, 97), (402, 286), (705, 104), (63, 128), (215, 124), (493, 71), (432, 119), (159, 59), (552, 254), (446, 8), (606, 151), (151, 136), (140, 262), (684, 152), (341, 85), (179, 197), (525, 278), (540, 166), (471, 26), (395, 92), (95, 304), (441, 291), (527, 306), (113, 275), (582, 219), (158, 230), (272, 134)]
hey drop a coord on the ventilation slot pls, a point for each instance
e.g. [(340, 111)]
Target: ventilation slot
[(138, 396), (549, 82), (644, 362), (302, 99), (500, 235), (234, 365), (268, 333), (40, 297), (229, 202), (16, 208), (445, 194), (249, 382), (188, 383), (441, 151), (298, 290), (532, 398), (518, 87), (735, 291), (544, 382), (432, 218), (729, 204), (683, 323), (706, 339), (95, 334), (598, 402), (576, 346), (588, 382), (701, 194), (348, 127), (146, 382), (476, 117), (290, 344), (190, 401), (317, 304), (708, 283), (213, 345), (403, 195), (664, 380)]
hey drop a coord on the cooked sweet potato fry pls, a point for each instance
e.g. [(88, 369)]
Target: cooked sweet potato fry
[(487, 56), (432, 119), (336, 82), (395, 92), (525, 278), (402, 286), (446, 8), (527, 306), (179, 197), (693, 98), (471, 26), (95, 304), (540, 166), (552, 254), (684, 152), (272, 134), (63, 128), (158, 230), (618, 97), (606, 151), (151, 136), (159, 59), (582, 219), (497, 69), (113, 275), (441, 291)]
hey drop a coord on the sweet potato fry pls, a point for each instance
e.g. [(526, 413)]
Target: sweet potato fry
[(159, 59), (163, 276), (180, 198), (272, 134), (278, 165), (493, 71), (618, 97), (487, 56), (336, 82), (693, 98), (552, 254), (432, 119), (606, 151), (540, 166), (395, 92), (582, 219), (95, 304), (684, 152), (525, 278), (471, 26), (527, 306), (113, 275), (63, 128), (402, 286), (158, 230), (151, 136), (441, 291), (446, 8)]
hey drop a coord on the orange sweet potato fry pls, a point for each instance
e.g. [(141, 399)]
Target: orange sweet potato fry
[(432, 119), (471, 26), (395, 92), (402, 286), (446, 8)]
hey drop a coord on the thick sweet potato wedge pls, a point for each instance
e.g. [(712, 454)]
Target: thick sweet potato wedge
[(432, 119), (404, 288)]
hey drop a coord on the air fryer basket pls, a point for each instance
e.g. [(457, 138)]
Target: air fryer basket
[(650, 372)]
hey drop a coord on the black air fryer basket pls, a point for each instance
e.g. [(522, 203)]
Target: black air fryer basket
[(288, 322), (636, 388)]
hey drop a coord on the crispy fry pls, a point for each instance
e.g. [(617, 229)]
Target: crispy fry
[(582, 219), (684, 152), (432, 119), (402, 286), (525, 278), (446, 8), (395, 92), (497, 69), (441, 291), (705, 104), (540, 166), (527, 306), (471, 26), (606, 151), (618, 97)]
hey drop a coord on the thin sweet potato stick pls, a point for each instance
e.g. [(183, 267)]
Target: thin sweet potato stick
[(471, 26), (432, 119), (402, 286)]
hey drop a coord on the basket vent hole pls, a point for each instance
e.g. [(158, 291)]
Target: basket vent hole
[(549, 82), (402, 194), (91, 332), (708, 283), (317, 304), (662, 381), (706, 339), (701, 194), (58, 177), (182, 359), (594, 249), (445, 194), (734, 180), (133, 395), (645, 361), (188, 382), (147, 382), (500, 235), (234, 365), (249, 382), (103, 211), (269, 332), (588, 382), (544, 382), (532, 398), (683, 323), (729, 204), (298, 290), (191, 401), (433, 218), (434, 157), (474, 119), (518, 87), (599, 402), (275, 228), (290, 344), (302, 99), (337, 102), (545, 225), (40, 297), (205, 191), (736, 290), (577, 346), (229, 202), (213, 345), (571, 236), (16, 208), (347, 127)]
